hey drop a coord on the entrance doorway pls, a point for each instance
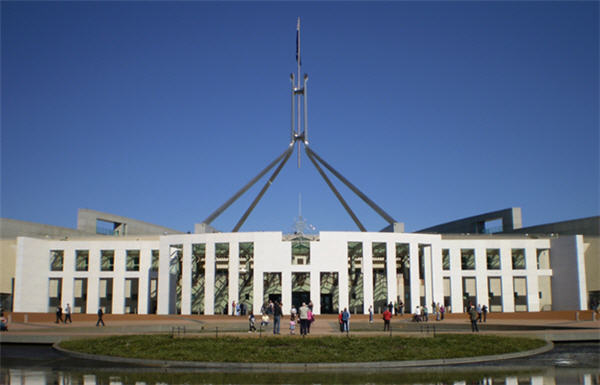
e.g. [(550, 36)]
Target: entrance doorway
[(300, 296), (300, 289), (327, 304), (275, 298)]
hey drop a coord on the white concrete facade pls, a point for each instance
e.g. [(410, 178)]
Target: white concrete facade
[(328, 254)]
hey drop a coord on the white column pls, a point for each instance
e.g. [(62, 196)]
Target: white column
[(93, 283), (415, 299), (537, 380), (286, 289), (118, 300), (392, 285), (456, 280), (164, 278), (481, 276), (257, 290), (344, 291), (186, 279), (315, 291), (437, 281), (367, 265), (209, 284), (67, 278), (145, 264), (508, 294), (533, 289), (428, 280), (234, 273)]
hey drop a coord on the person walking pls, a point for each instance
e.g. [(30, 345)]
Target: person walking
[(100, 320), (292, 324), (58, 314), (3, 322), (303, 319), (484, 311), (473, 315), (276, 317), (68, 314), (387, 316), (311, 319), (251, 320), (371, 314), (346, 320)]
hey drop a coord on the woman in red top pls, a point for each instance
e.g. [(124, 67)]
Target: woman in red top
[(387, 316)]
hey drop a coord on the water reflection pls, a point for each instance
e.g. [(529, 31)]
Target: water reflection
[(475, 376)]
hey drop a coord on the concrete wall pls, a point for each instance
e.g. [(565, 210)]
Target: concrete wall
[(568, 282), (583, 226), (12, 228), (328, 254), (591, 246), (8, 253), (86, 222), (33, 271), (511, 219), (506, 273), (590, 229)]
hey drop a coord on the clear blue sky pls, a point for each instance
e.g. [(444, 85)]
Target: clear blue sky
[(437, 111)]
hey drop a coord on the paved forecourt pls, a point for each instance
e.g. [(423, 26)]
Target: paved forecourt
[(552, 326)]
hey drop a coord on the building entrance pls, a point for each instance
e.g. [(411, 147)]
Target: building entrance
[(300, 296), (275, 298), (327, 304)]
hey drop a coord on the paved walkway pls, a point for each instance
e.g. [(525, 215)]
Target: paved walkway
[(553, 326)]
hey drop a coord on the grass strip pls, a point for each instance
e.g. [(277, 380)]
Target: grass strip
[(301, 350)]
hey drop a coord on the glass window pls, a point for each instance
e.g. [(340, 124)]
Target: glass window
[(446, 259), (107, 260), (493, 259), (155, 255), (301, 251), (132, 260), (543, 259), (467, 258), (57, 258), (380, 288), (518, 259), (355, 277), (81, 260)]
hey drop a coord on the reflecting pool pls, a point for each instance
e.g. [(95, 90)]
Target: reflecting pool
[(567, 364)]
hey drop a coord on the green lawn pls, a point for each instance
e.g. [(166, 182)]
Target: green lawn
[(296, 349)]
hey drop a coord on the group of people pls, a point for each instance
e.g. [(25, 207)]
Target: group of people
[(59, 314), (304, 316), (344, 319), (238, 309), (3, 322), (477, 314), (421, 313), (68, 319)]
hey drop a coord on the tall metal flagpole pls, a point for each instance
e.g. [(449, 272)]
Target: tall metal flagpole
[(298, 60), (299, 133)]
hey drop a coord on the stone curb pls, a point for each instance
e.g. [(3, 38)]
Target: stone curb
[(237, 366)]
